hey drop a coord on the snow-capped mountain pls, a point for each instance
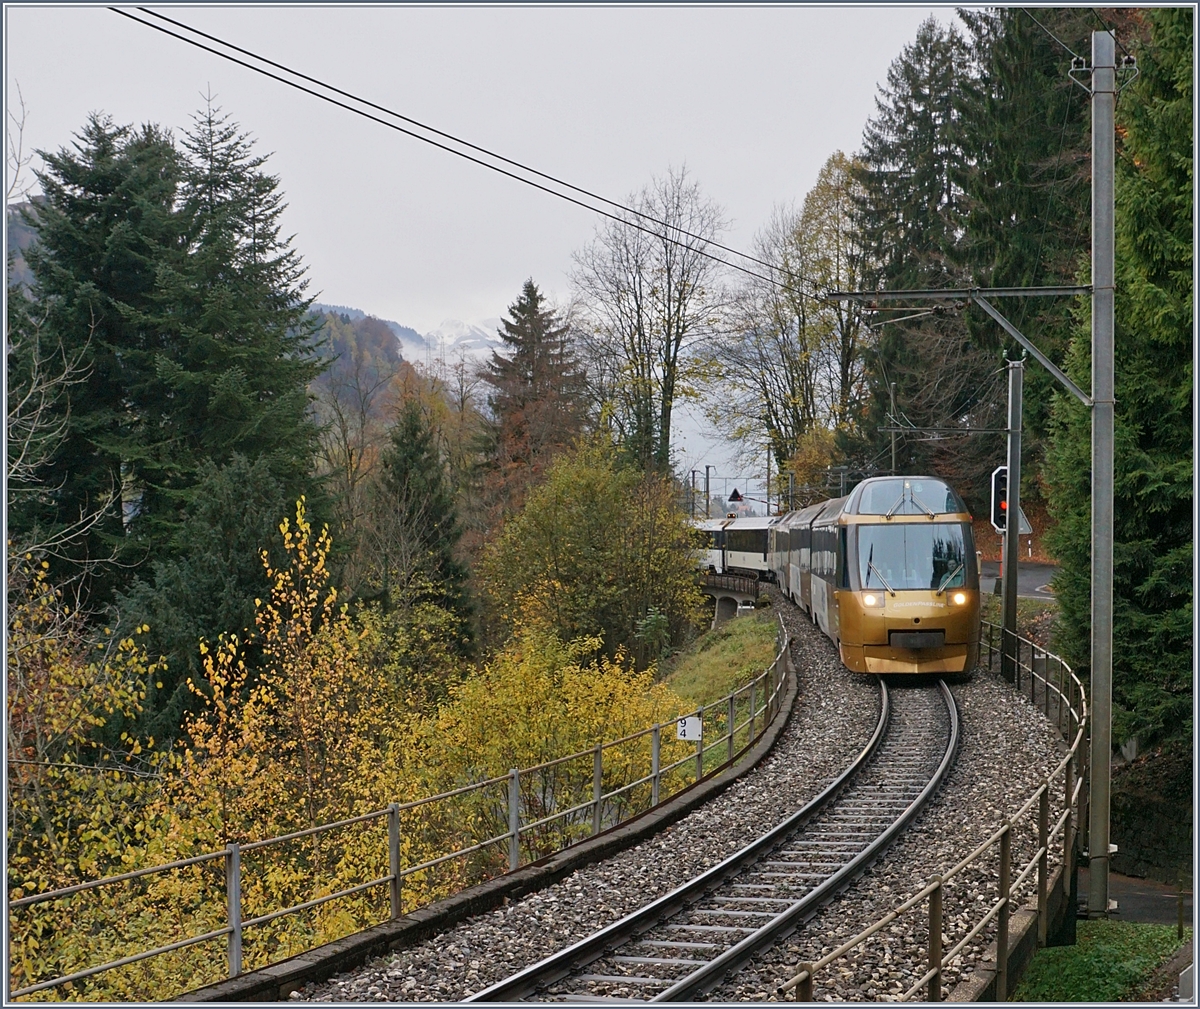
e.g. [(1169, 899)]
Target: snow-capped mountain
[(454, 336)]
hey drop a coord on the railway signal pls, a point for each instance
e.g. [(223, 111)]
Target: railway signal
[(1000, 498)]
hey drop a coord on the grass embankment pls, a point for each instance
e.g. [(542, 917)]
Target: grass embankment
[(1112, 961), (723, 659)]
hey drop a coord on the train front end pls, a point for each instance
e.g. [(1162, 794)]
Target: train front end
[(909, 601)]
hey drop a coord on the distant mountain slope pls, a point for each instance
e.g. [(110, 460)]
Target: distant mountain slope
[(452, 336), (409, 338)]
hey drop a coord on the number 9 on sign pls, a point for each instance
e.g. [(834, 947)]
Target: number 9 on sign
[(689, 728)]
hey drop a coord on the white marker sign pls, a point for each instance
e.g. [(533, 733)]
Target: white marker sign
[(690, 728)]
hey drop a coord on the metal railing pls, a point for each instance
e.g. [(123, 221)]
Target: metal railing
[(755, 703), (1061, 693)]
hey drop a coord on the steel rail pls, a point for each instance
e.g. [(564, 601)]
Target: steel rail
[(709, 976), (805, 976), (596, 945)]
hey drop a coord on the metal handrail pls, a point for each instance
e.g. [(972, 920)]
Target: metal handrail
[(801, 983), (775, 674)]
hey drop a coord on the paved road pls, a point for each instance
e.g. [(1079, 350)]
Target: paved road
[(1033, 580), (1142, 900)]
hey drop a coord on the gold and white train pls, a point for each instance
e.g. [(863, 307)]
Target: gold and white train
[(888, 572)]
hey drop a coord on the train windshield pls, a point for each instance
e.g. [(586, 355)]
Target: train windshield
[(912, 556), (909, 496)]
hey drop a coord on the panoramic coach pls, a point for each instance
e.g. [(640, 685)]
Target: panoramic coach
[(888, 572)]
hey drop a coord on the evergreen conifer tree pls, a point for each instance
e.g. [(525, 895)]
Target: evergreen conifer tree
[(106, 230), (1153, 507), (232, 373), (1026, 187), (164, 272), (417, 523), (537, 398), (909, 214)]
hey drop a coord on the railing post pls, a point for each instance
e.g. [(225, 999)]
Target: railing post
[(935, 941), (732, 720), (393, 820), (233, 906), (514, 819), (1043, 869), (597, 786), (655, 762), (700, 745), (1058, 697), (1005, 911), (750, 735), (1068, 829), (804, 988)]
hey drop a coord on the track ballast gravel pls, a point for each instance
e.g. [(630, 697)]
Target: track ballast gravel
[(1007, 748)]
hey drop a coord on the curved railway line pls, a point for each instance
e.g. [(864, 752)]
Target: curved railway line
[(685, 943)]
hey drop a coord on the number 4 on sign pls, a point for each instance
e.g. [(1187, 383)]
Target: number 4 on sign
[(689, 728)]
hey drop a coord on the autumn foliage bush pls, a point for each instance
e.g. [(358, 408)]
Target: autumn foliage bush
[(335, 720)]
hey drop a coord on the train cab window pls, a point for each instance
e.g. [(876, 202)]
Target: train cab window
[(914, 556), (909, 496)]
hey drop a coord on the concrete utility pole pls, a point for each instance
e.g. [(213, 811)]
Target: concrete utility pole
[(1104, 99), (707, 496), (1103, 92), (1012, 525)]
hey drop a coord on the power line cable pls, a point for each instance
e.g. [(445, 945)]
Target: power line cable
[(1052, 35), (458, 140), (450, 150), (1116, 39)]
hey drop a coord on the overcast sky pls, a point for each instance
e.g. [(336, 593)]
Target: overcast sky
[(751, 100)]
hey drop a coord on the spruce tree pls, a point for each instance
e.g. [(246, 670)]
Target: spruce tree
[(164, 271), (1153, 529), (107, 229), (910, 214), (235, 361), (416, 523), (537, 398), (1026, 138)]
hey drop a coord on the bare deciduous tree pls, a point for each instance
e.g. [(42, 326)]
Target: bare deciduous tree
[(650, 294), (790, 364), (769, 362)]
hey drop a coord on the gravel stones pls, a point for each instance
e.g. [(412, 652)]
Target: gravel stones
[(1007, 749)]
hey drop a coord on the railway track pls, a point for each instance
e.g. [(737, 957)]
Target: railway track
[(682, 945)]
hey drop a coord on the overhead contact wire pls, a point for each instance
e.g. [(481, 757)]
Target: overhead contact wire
[(1052, 35), (458, 140), (451, 150)]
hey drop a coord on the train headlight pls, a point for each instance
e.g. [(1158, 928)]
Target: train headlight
[(871, 599), (960, 598)]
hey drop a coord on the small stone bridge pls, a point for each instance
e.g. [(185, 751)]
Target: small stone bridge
[(729, 591)]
